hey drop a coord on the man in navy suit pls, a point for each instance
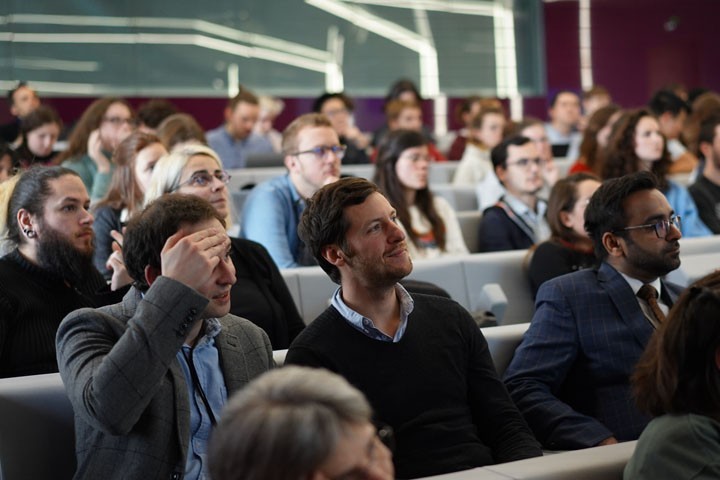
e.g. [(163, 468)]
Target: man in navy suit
[(570, 375)]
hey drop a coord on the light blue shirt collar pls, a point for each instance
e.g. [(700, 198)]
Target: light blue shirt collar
[(366, 325)]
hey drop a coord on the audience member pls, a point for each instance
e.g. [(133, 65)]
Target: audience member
[(704, 106), (671, 112), (425, 368), (402, 115), (338, 108), (152, 113), (517, 220), (464, 113), (39, 130), (485, 133), (134, 160), (562, 129), (706, 189), (570, 375), (595, 139), (270, 108), (636, 144), (569, 248), (148, 377), (313, 420), (406, 91), (260, 293), (102, 126), (48, 272), (22, 100), (9, 163), (272, 210), (677, 380), (234, 140), (593, 99), (180, 129), (402, 176)]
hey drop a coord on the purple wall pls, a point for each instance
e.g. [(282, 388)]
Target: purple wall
[(637, 47)]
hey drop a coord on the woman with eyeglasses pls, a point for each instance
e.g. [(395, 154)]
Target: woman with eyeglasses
[(101, 128), (677, 381), (39, 131), (636, 144), (429, 221), (260, 293), (569, 248), (134, 160)]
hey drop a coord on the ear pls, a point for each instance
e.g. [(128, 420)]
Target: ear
[(500, 174), (26, 220), (334, 255), (613, 244), (151, 274), (706, 149), (228, 113), (290, 161), (565, 218)]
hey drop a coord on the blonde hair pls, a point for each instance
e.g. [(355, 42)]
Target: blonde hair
[(6, 190), (168, 170)]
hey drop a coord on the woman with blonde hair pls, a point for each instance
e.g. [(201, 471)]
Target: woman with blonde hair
[(260, 293)]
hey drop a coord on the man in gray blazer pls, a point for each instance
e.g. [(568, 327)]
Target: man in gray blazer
[(149, 376)]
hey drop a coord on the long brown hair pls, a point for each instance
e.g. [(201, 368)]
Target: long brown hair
[(386, 179), (90, 120), (124, 191), (590, 151), (678, 372)]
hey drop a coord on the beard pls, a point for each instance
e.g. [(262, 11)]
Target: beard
[(652, 263), (59, 256), (376, 274)]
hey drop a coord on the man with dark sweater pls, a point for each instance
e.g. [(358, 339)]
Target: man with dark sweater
[(48, 272), (420, 360)]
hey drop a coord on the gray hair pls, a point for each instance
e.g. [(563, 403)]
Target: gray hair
[(284, 425)]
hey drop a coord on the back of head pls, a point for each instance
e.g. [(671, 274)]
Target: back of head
[(153, 112), (30, 192), (606, 210), (147, 232), (563, 197), (308, 120), (679, 371), (323, 221), (667, 101), (180, 128)]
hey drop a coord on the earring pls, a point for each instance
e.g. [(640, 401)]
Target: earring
[(29, 233)]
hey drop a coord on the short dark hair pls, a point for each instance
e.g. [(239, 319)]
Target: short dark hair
[(153, 112), (320, 101), (678, 373), (556, 95), (42, 115), (243, 96), (606, 210), (499, 154), (667, 101), (11, 92), (148, 231), (563, 197), (707, 131), (323, 221), (30, 193)]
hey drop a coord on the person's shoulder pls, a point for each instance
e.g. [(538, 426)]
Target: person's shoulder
[(240, 326), (215, 133), (572, 284)]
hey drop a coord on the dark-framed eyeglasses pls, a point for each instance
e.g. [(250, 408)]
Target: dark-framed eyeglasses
[(119, 121), (205, 178), (320, 152), (661, 227)]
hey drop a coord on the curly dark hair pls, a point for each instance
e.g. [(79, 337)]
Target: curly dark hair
[(621, 158), (386, 179)]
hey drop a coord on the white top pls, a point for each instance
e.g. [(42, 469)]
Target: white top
[(474, 166), (454, 242)]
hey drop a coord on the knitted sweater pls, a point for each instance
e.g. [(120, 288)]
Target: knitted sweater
[(32, 304), (436, 387)]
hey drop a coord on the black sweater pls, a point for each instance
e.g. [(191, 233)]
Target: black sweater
[(436, 387), (33, 302)]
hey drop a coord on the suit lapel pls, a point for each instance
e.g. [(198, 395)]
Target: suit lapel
[(625, 302), (232, 359)]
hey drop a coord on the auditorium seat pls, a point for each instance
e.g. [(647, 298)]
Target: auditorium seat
[(502, 342), (460, 197), (469, 221)]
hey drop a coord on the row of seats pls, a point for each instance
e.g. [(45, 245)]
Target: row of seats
[(472, 280)]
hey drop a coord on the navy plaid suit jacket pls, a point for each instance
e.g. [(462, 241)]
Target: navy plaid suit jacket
[(570, 375)]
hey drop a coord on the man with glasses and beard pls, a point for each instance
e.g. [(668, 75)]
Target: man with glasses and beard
[(570, 375), (49, 271)]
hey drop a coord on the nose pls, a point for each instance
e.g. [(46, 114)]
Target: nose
[(674, 233), (87, 218), (217, 184), (227, 276), (395, 233)]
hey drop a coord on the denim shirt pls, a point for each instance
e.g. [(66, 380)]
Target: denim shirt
[(233, 152), (207, 364), (270, 217), (680, 200), (366, 325)]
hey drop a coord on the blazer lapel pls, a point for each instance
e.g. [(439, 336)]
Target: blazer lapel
[(626, 303), (232, 359)]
